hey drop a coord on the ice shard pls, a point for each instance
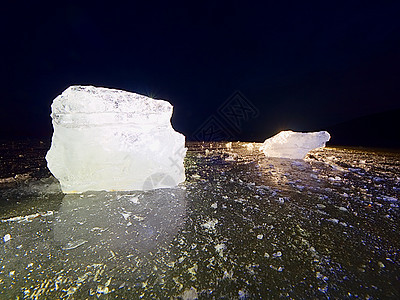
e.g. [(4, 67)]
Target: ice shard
[(108, 139), (294, 145)]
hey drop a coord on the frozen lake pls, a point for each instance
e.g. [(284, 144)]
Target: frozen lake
[(242, 226)]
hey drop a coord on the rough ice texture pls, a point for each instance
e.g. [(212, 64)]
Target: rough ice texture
[(108, 139), (294, 145)]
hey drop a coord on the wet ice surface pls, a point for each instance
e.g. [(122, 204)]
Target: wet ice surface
[(242, 226)]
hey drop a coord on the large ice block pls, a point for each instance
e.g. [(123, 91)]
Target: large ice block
[(294, 145), (108, 139)]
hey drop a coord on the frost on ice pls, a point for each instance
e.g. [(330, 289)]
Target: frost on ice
[(294, 145), (108, 139)]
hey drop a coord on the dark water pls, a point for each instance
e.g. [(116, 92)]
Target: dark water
[(242, 226)]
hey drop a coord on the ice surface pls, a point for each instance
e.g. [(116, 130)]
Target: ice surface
[(102, 221), (294, 145), (244, 221), (108, 139)]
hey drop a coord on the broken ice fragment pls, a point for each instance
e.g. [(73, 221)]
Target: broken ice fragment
[(6, 238), (210, 225), (126, 215), (73, 244), (107, 139), (294, 145), (335, 221), (220, 249)]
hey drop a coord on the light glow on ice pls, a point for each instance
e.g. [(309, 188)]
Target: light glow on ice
[(294, 145)]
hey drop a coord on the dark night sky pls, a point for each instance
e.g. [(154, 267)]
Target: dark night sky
[(301, 65)]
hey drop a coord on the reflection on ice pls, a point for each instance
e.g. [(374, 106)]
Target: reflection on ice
[(101, 222)]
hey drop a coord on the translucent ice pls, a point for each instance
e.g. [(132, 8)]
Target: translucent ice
[(107, 139), (294, 145)]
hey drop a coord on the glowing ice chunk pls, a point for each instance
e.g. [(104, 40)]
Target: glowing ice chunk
[(294, 145), (107, 139)]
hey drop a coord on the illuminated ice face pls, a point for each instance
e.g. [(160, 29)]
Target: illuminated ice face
[(107, 139), (294, 145)]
